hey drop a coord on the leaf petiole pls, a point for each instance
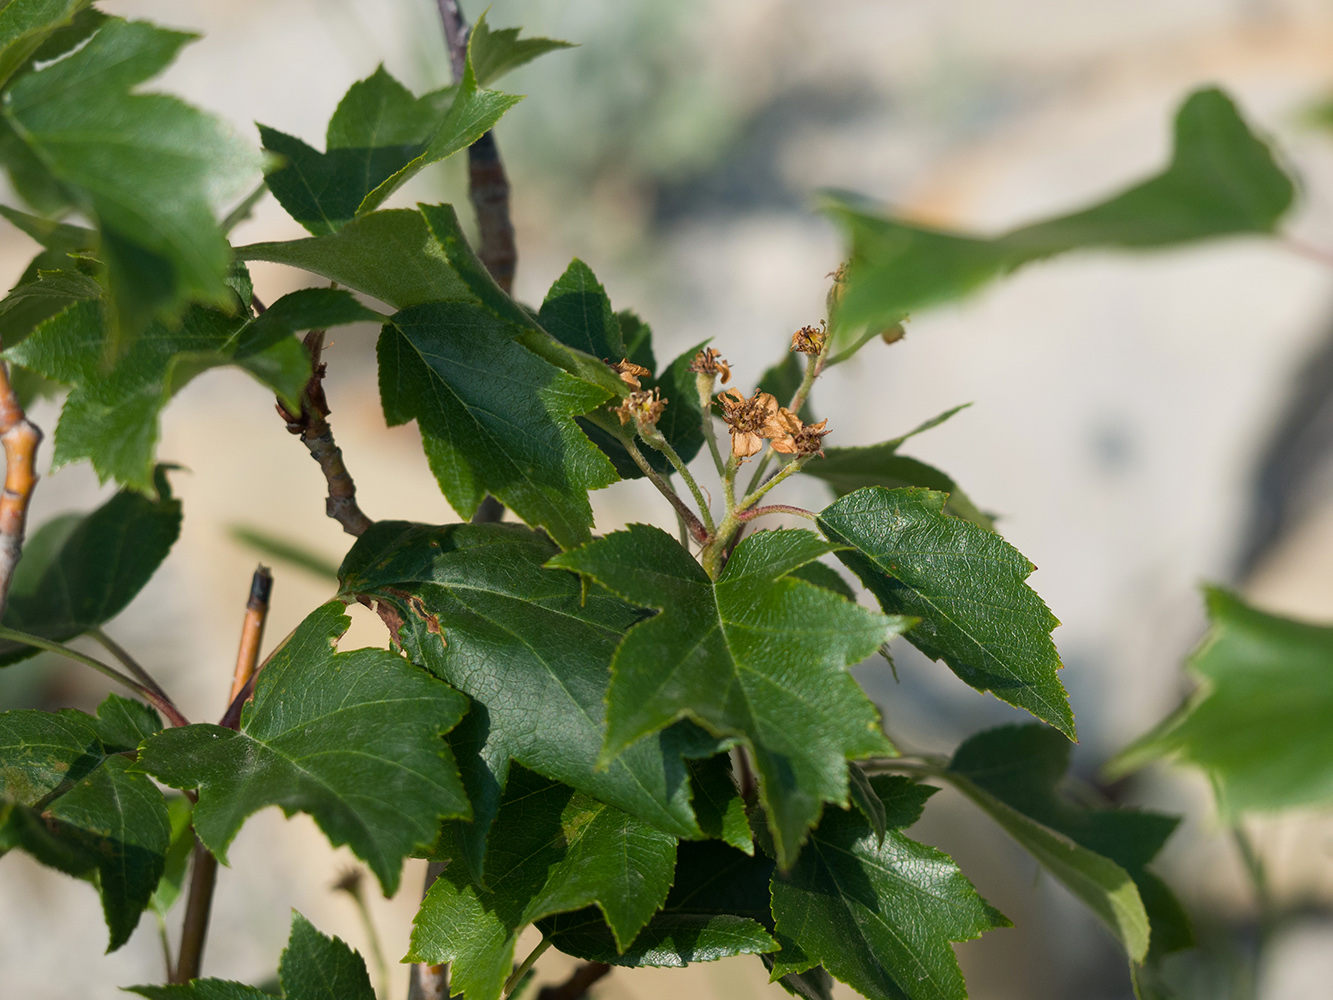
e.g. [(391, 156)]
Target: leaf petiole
[(517, 976)]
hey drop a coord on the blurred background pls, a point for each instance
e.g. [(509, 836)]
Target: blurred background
[(1141, 424)]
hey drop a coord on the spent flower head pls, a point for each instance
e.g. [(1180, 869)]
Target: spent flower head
[(644, 408), (750, 420), (630, 373), (710, 362), (810, 339), (803, 439)]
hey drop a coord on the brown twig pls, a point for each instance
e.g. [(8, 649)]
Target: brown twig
[(313, 427), (578, 984), (20, 437), (203, 878)]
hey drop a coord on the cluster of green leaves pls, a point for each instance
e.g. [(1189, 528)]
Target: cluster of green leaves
[(653, 762)]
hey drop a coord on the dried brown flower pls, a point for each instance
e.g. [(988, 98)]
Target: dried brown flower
[(804, 439), (644, 408), (630, 373), (709, 362), (809, 339), (751, 420), (892, 334)]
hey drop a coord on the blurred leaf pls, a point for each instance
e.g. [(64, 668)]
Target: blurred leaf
[(755, 655), (879, 913), (455, 368), (111, 417), (28, 304), (59, 236), (1022, 766), (353, 739), (495, 53), (283, 550), (151, 169), (69, 799), (717, 907), (473, 604), (1222, 180), (1257, 724), (551, 851), (965, 584), (26, 24), (78, 572)]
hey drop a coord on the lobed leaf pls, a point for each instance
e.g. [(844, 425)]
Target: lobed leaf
[(879, 913), (1222, 180), (965, 584), (473, 604), (69, 798), (756, 656), (78, 572), (1021, 767), (552, 851), (1257, 723), (495, 53), (353, 739)]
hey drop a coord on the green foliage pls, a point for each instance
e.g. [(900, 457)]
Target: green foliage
[(757, 656), (552, 851), (313, 967), (965, 584), (111, 417), (150, 169), (879, 913), (350, 738), (495, 53), (78, 572), (1222, 180), (474, 605), (1013, 773), (1257, 722), (70, 799)]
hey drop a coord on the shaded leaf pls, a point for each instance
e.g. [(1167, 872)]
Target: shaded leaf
[(577, 312), (551, 851), (26, 24), (495, 53), (718, 907), (756, 655), (1222, 180), (78, 572), (33, 302), (965, 584), (111, 417), (879, 914), (151, 169), (70, 800), (1021, 766), (179, 812), (473, 603), (494, 417), (718, 804), (353, 739), (1257, 723)]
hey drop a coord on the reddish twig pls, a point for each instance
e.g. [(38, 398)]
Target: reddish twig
[(578, 984), (776, 508), (313, 427), (20, 437)]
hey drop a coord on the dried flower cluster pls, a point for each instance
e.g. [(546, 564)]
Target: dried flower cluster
[(630, 373), (710, 362), (810, 339), (644, 408), (760, 417)]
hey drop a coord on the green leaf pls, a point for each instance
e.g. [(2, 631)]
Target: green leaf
[(552, 850), (1021, 766), (377, 130), (26, 24), (313, 967), (179, 811), (718, 907), (718, 804), (78, 572), (1222, 180), (281, 549), (494, 417), (756, 655), (495, 53), (33, 302), (59, 236), (473, 604), (577, 312), (1257, 723), (965, 584), (151, 169), (353, 739), (879, 914), (111, 417), (69, 799)]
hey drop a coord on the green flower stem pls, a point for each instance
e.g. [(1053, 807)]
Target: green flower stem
[(777, 508), (522, 970), (130, 663), (704, 382), (159, 701), (786, 471), (654, 438), (698, 531)]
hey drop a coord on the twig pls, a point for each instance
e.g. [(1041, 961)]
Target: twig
[(252, 631), (20, 437), (577, 985), (313, 427), (131, 664)]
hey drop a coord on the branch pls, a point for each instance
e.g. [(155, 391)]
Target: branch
[(313, 427), (20, 437), (252, 631), (577, 985)]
